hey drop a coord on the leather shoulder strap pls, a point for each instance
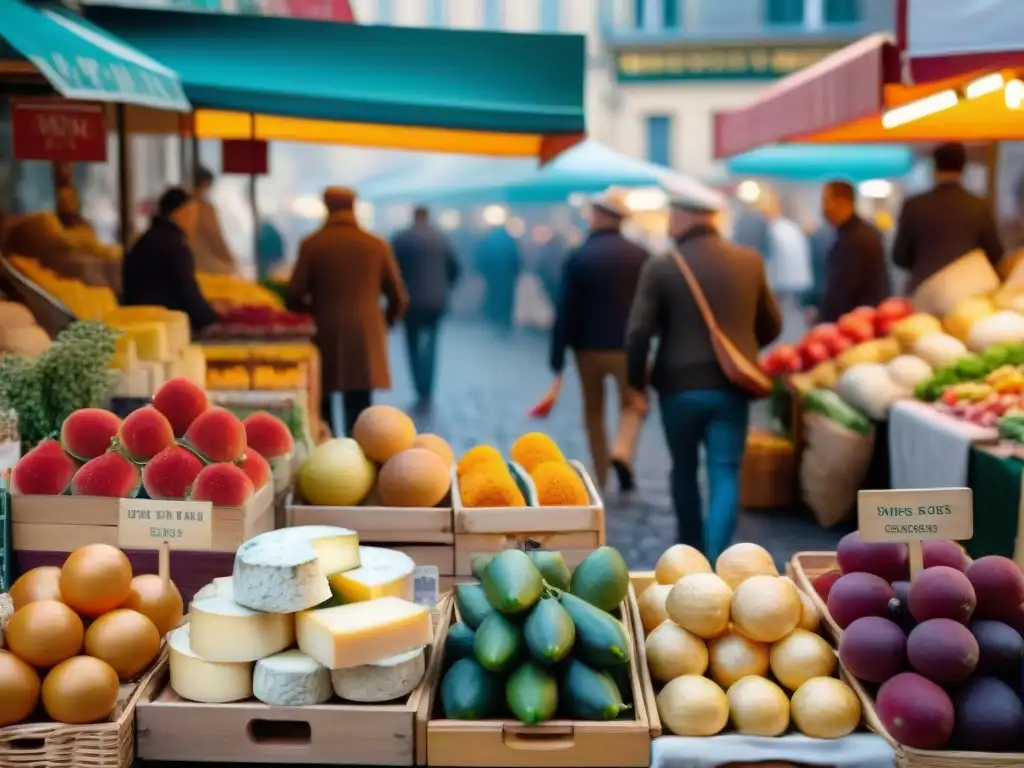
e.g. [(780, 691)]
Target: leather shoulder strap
[(696, 290)]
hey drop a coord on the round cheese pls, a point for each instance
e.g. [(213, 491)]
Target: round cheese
[(219, 587), (285, 571), (381, 573), (291, 679), (222, 630), (385, 680), (208, 682)]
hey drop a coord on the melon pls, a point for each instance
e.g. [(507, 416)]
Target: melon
[(825, 708), (651, 604), (437, 444), (733, 656), (943, 650), (680, 560), (417, 477), (758, 707), (799, 656), (700, 603), (382, 431), (857, 595), (336, 474), (887, 560), (810, 619), (672, 652), (741, 561), (915, 711), (873, 649), (766, 608), (19, 689), (942, 592), (693, 706)]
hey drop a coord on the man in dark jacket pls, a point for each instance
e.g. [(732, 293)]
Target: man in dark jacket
[(699, 404), (855, 270), (938, 227), (429, 267), (598, 285), (159, 270)]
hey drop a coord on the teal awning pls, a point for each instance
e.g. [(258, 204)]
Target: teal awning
[(441, 78), (814, 162), (83, 62)]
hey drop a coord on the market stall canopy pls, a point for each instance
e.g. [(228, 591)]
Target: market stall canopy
[(83, 62), (588, 167), (802, 162), (426, 89)]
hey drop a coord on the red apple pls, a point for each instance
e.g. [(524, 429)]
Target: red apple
[(857, 328), (896, 308), (839, 344), (814, 353), (864, 311), (823, 332), (780, 360), (884, 325)]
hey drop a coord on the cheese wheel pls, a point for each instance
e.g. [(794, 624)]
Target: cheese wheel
[(381, 573), (385, 680), (291, 679), (208, 682), (285, 571), (222, 630), (219, 587)]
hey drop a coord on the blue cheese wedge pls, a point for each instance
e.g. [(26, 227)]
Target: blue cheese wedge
[(286, 571), (291, 679), (384, 680)]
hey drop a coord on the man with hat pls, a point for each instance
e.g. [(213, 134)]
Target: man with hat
[(598, 285), (159, 269), (700, 405), (340, 275)]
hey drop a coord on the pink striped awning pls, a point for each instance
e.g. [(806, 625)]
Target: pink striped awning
[(839, 89)]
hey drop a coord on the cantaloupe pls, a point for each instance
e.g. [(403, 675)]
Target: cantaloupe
[(416, 477), (672, 652), (700, 604), (741, 561), (733, 656), (437, 444), (799, 656), (382, 431), (758, 707), (693, 706), (766, 608), (651, 604), (825, 708), (680, 560)]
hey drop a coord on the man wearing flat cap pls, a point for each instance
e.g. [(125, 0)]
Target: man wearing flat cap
[(159, 269), (340, 275), (700, 405), (598, 285)]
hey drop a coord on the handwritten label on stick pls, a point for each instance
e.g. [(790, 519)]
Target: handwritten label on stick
[(148, 524), (916, 515)]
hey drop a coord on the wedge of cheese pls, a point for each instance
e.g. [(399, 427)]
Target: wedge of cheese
[(291, 679), (286, 571), (363, 633), (150, 337), (208, 682), (222, 630), (381, 573)]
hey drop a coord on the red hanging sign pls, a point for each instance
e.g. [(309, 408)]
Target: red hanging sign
[(250, 157), (59, 131)]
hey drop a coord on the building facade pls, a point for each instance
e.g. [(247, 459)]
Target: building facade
[(658, 70)]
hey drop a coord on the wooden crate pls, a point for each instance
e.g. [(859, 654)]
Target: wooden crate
[(102, 745), (510, 744), (379, 525), (804, 568), (65, 523), (249, 732), (574, 546)]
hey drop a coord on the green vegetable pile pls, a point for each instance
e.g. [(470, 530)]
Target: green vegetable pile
[(73, 373), (969, 368), (536, 642), (831, 406)]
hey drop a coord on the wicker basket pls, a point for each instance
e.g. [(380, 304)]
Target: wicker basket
[(805, 567), (767, 477), (103, 745)]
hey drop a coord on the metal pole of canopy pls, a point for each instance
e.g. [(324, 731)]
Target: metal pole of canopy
[(252, 197), (124, 193)]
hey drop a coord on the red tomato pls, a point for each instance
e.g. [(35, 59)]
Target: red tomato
[(895, 308), (839, 344), (824, 332), (884, 324), (856, 327), (814, 353), (864, 311)]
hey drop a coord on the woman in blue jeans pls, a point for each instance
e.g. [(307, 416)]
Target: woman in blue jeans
[(699, 404)]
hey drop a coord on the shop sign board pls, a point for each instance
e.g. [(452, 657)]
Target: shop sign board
[(152, 524), (59, 131), (720, 62), (249, 157)]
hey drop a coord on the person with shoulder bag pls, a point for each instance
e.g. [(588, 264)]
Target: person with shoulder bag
[(709, 304)]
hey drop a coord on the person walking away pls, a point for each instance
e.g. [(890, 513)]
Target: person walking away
[(599, 282), (339, 277), (821, 239), (550, 266), (270, 249), (700, 406), (856, 274), (159, 269), (499, 264), (938, 227), (212, 253), (430, 269)]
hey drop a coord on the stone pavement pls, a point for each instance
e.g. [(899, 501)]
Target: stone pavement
[(486, 383)]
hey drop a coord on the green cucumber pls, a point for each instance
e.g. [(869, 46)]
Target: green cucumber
[(532, 694), (472, 604), (512, 582), (477, 565), (458, 643), (498, 643), (601, 639), (470, 692), (602, 579), (549, 632), (552, 567), (590, 694)]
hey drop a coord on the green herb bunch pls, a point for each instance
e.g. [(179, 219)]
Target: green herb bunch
[(73, 373)]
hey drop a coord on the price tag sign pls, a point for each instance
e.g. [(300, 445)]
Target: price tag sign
[(149, 524), (425, 585)]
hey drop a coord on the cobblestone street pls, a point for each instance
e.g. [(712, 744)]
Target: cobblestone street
[(487, 383)]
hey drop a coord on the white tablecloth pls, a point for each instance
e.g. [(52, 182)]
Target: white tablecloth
[(928, 449), (859, 750)]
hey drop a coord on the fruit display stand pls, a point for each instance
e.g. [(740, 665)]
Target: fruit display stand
[(622, 743), (100, 745), (573, 531), (44, 529)]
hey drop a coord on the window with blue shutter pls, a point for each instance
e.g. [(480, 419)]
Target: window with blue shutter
[(659, 139), (492, 14), (842, 11), (550, 15), (435, 13), (638, 13), (785, 12), (669, 14)]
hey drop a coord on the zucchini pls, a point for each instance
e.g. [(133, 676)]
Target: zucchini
[(512, 582), (549, 632), (601, 639), (498, 643)]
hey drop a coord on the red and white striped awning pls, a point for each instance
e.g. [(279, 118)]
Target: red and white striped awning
[(839, 89), (949, 38)]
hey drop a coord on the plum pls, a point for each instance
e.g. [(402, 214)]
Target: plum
[(915, 711), (873, 649), (856, 595), (943, 650), (887, 560), (942, 593), (989, 716)]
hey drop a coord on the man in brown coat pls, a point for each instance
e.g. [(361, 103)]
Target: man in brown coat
[(340, 275)]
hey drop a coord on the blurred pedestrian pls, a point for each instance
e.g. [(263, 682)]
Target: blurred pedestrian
[(498, 262), (598, 286), (701, 402), (212, 253), (551, 258), (430, 270), (339, 277), (939, 226), (855, 271), (69, 211), (270, 249), (821, 239)]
